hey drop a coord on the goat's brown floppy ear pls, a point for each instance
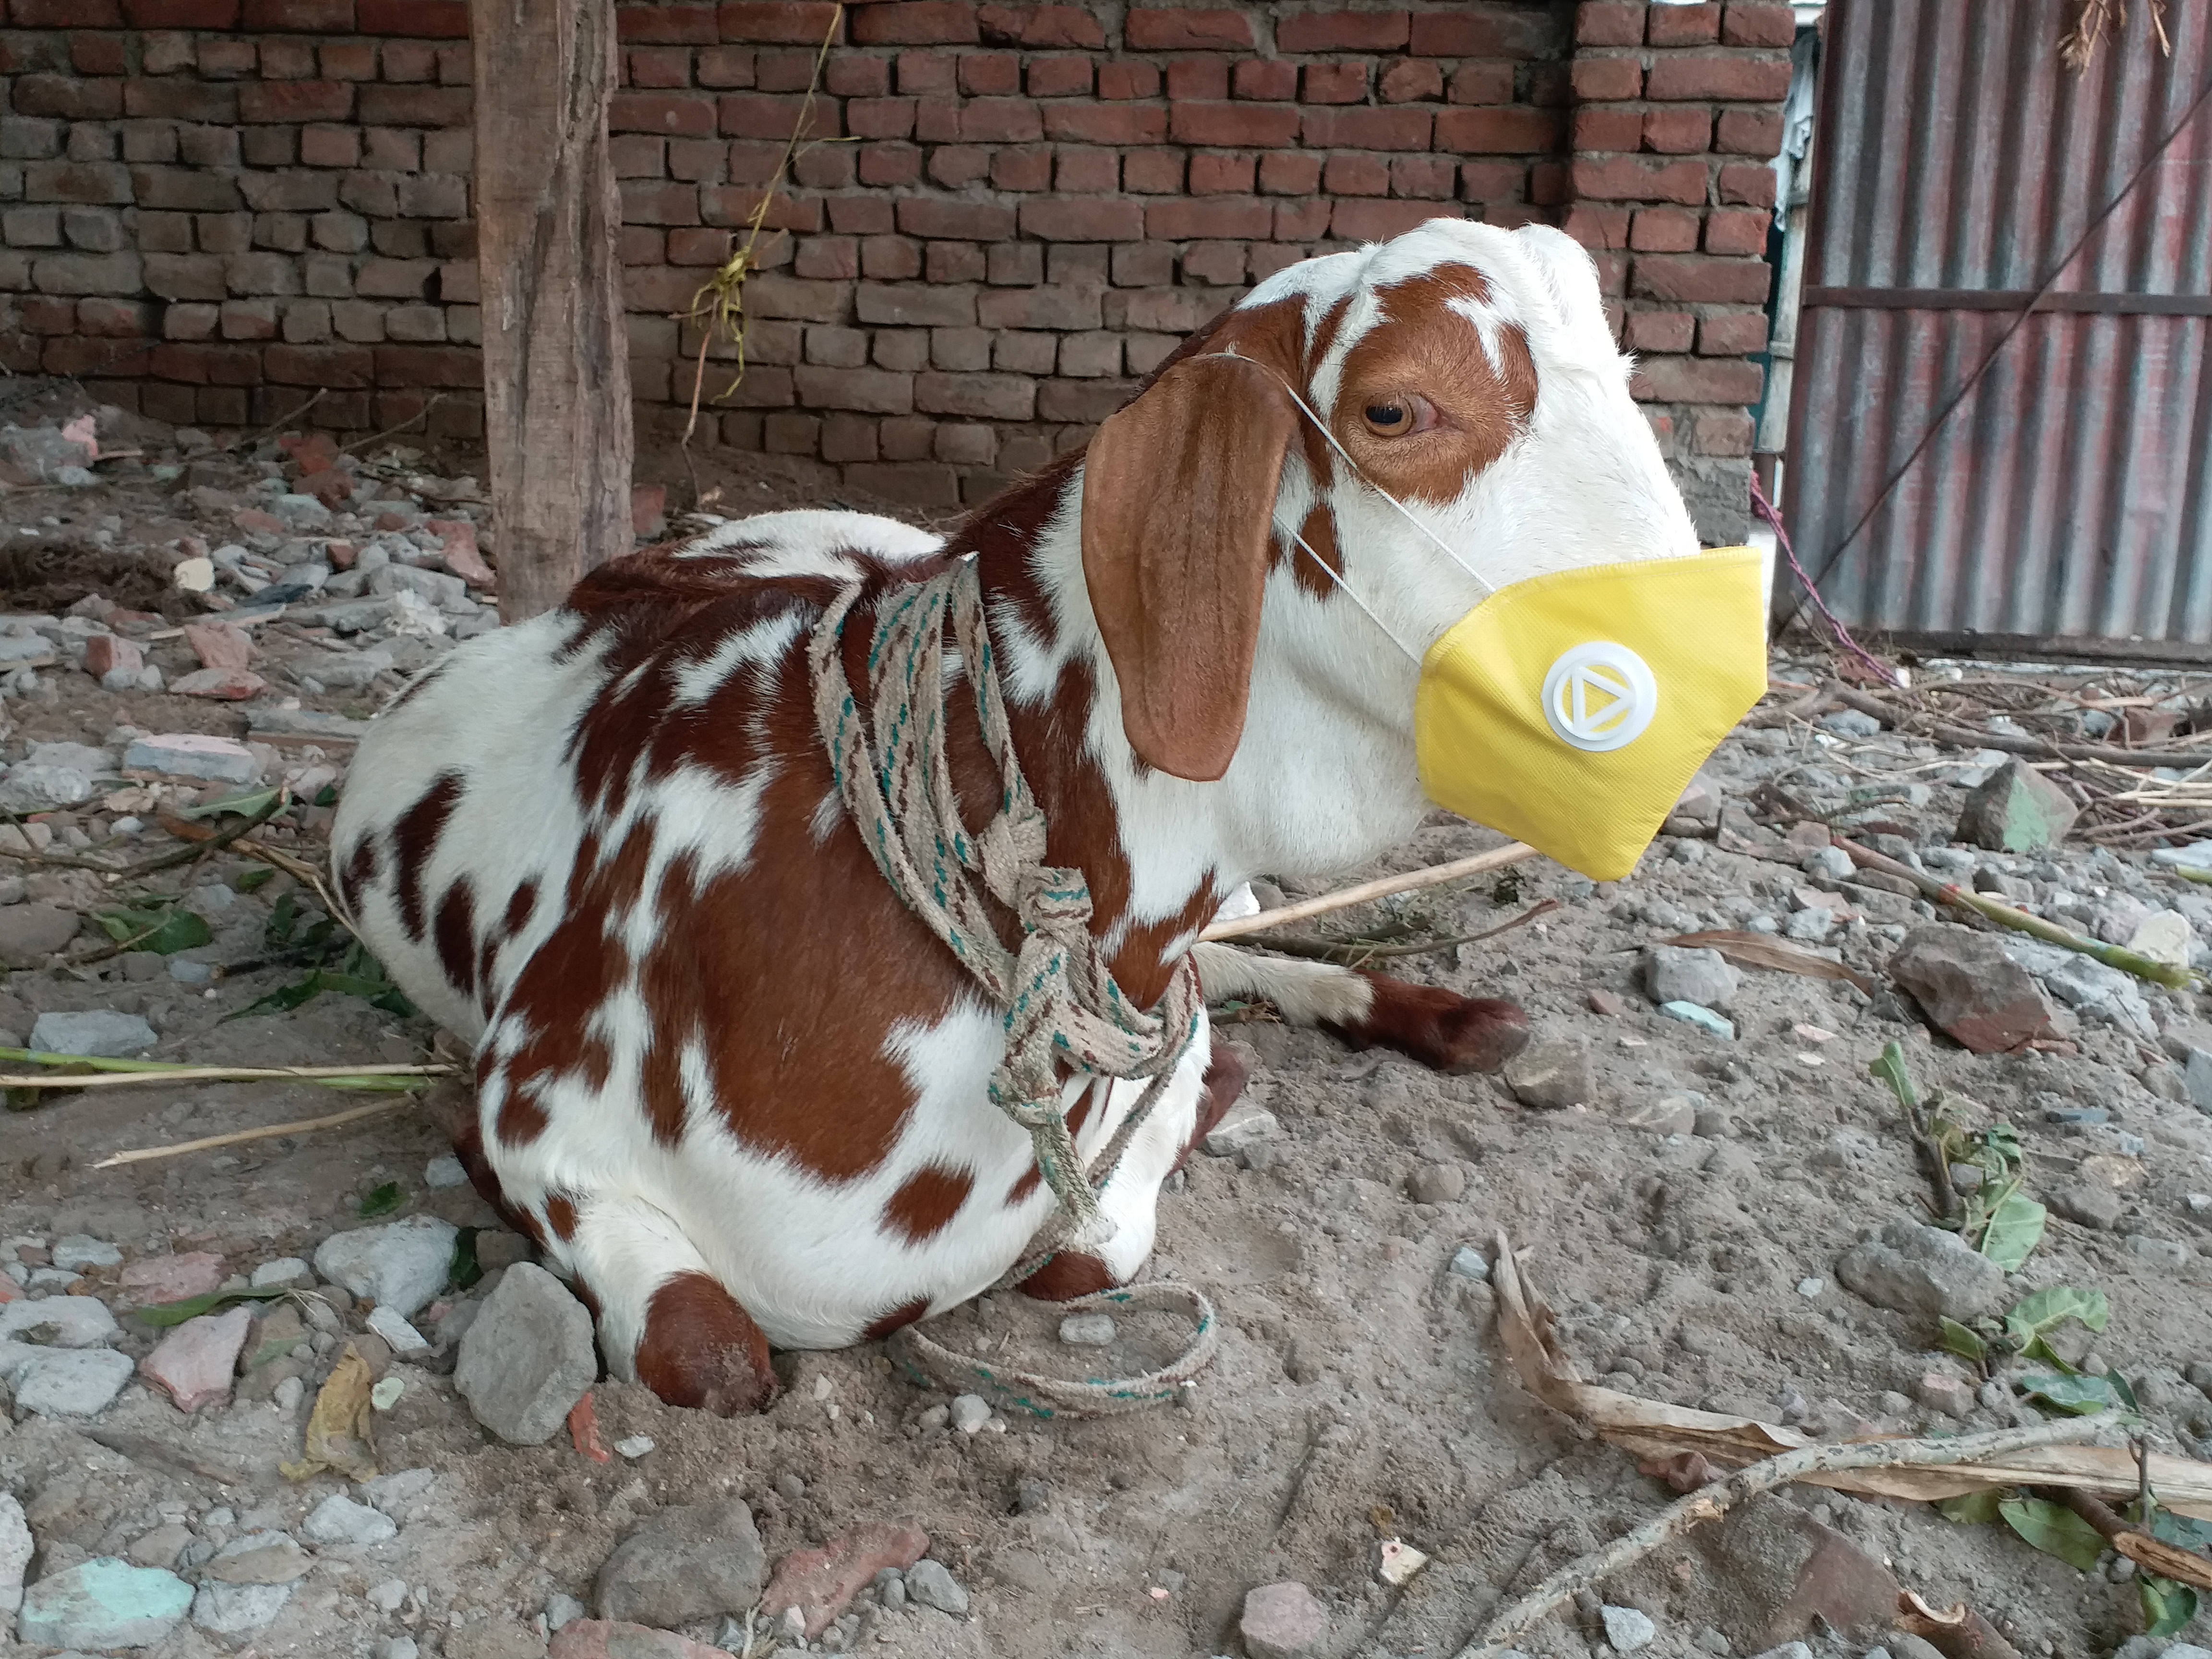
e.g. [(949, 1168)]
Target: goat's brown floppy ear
[(1178, 507)]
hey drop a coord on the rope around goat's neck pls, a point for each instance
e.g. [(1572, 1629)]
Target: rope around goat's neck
[(1056, 993)]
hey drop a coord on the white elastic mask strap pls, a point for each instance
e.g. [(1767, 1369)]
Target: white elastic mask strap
[(1345, 588)]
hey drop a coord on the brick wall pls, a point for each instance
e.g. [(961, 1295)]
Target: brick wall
[(1005, 216)]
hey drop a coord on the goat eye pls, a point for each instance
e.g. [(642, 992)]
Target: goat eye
[(1399, 416), (1388, 417)]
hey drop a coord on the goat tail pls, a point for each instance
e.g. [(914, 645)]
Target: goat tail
[(1304, 992)]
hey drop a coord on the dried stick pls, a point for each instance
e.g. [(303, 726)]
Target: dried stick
[(2151, 1554), (106, 1079), (1355, 953), (1382, 887), (2041, 748), (147, 1154), (1717, 1499)]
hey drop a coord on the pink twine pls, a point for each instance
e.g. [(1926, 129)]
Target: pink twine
[(1842, 634)]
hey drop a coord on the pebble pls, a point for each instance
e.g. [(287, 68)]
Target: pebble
[(288, 1393), (98, 1033), (405, 1339), (2160, 1252), (401, 1265), (1437, 1183), (1626, 1629), (636, 1447), (29, 934), (194, 1362), (158, 1548), (387, 1596), (16, 1549), (969, 1413), (339, 1520), (1282, 1621), (561, 1610), (288, 1270), (1684, 974), (1924, 1270), (1692, 1013), (71, 1383), (1550, 1074), (1848, 723), (1087, 1330), (396, 1493), (103, 1603), (790, 1486), (1244, 1126), (443, 1172), (158, 1279), (932, 1584), (192, 754), (1031, 1493), (1955, 1396), (1810, 1287), (1467, 1262), (227, 1609), (397, 1647), (689, 1562), (935, 1417), (528, 1358), (76, 1251), (61, 1322)]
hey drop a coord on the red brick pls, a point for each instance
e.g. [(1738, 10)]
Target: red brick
[(424, 366), (689, 115), (329, 147), (1659, 331), (1078, 171), (294, 101), (1152, 172), (1597, 127), (1423, 177), (1683, 25), (1342, 31), (1737, 230), (928, 72), (1696, 380), (1721, 432), (1597, 228), (958, 165), (843, 76), (915, 23), (341, 367), (1288, 173), (434, 19), (1197, 77), (1631, 178), (667, 25), (96, 54), (1759, 26), (75, 101), (1040, 25), (1152, 29), (1747, 184), (890, 164), (732, 206), (967, 222), (1664, 230), (880, 118), (825, 259), (789, 24), (696, 246), (1737, 334), (861, 216), (1607, 80), (1060, 77), (1214, 174), (1607, 23), (660, 201), (1701, 279), (990, 73), (350, 60), (65, 15), (414, 107), (1411, 81), (1749, 132), (659, 68), (1463, 32), (1082, 219), (176, 14), (1128, 79), (776, 115), (890, 259), (112, 318), (1209, 216), (1506, 131), (1491, 181), (1235, 125), (1356, 175), (1022, 169), (404, 60), (1267, 79), (1120, 124), (1482, 84), (1746, 80), (1375, 222), (1302, 222), (1687, 130), (295, 16), (1336, 83), (1001, 121)]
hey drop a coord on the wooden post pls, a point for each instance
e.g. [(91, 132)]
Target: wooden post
[(555, 353)]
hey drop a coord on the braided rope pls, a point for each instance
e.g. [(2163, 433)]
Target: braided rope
[(1056, 994)]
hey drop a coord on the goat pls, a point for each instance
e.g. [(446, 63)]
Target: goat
[(734, 1088)]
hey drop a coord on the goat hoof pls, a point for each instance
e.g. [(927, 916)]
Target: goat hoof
[(1442, 1030), (701, 1349)]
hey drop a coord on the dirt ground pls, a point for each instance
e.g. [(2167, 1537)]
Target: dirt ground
[(1360, 1393)]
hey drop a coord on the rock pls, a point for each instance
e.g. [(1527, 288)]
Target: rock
[(1437, 1183), (970, 1411), (2016, 809), (155, 1279), (2160, 1252), (2087, 1203), (930, 1584), (193, 754), (1693, 1013), (285, 1270), (1467, 1262), (194, 1362), (222, 685), (77, 1252), (822, 1583), (461, 557), (398, 1493), (259, 1558), (1924, 1270), (1282, 1621), (689, 1561), (100, 1033), (401, 1265), (228, 1609), (1669, 1114), (1850, 723), (598, 1638), (635, 1447), (103, 1603), (433, 585), (495, 1639), (1952, 1396), (528, 1358), (1971, 988), (339, 1520), (16, 1549), (1606, 1002), (1676, 972), (29, 934), (1626, 1629), (31, 786), (403, 1338), (108, 653), (1087, 1330), (159, 1548), (397, 1647), (58, 1321), (219, 645), (1550, 1074), (441, 1173), (71, 1383), (1243, 1127)]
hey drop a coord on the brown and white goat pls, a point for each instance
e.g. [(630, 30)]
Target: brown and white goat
[(733, 1088)]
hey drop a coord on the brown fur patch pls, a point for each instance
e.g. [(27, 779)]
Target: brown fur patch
[(1441, 1029), (926, 1201), (1066, 1276), (414, 840), (897, 1320), (701, 1349)]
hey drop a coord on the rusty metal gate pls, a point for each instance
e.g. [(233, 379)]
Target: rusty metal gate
[(2000, 428)]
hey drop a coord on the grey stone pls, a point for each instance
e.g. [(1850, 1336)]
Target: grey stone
[(1696, 1013), (227, 1609), (29, 934), (1242, 1129), (1550, 1074), (2196, 1078), (690, 1561), (443, 1172), (970, 1411), (58, 1321), (1684, 974), (387, 1596), (932, 1585), (2088, 1203), (15, 1552), (339, 1520), (1282, 1621), (635, 1447), (193, 754), (1087, 1330), (401, 1265), (286, 1270), (2160, 1252), (528, 1358), (259, 1558), (397, 1647), (2016, 809), (433, 585), (1467, 1262), (396, 1494), (1437, 1183), (30, 788), (77, 1251), (103, 1603), (356, 616), (301, 512), (1924, 1270), (1627, 1629), (71, 1382), (1850, 723), (100, 1033), (1795, 1651)]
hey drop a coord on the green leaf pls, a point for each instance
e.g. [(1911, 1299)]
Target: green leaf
[(166, 933), (464, 1271), (383, 1201), (2167, 1607), (249, 804), (2054, 1530), (2047, 1310), (2076, 1396), (176, 1313), (2187, 1531), (1891, 1068), (326, 796), (253, 880), (1972, 1509), (1962, 1340), (282, 920), (2015, 1229)]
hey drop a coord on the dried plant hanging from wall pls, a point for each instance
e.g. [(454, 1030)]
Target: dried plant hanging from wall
[(2097, 18)]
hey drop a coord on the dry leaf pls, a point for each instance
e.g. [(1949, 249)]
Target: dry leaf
[(338, 1428), (1749, 950)]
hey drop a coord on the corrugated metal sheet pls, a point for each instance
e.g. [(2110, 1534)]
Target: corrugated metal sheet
[(1956, 164)]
